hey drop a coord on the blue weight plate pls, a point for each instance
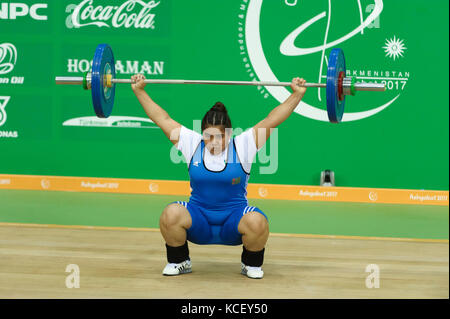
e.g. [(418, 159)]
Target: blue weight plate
[(336, 65), (102, 96)]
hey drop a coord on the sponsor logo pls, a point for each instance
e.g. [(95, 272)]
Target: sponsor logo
[(3, 101), (112, 121), (11, 134), (130, 14), (10, 11), (122, 67), (8, 59), (263, 64), (3, 116)]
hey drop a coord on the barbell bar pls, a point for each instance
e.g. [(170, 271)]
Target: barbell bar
[(101, 81), (78, 80)]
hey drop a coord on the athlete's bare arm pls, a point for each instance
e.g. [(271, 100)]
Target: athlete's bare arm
[(278, 115), (157, 114)]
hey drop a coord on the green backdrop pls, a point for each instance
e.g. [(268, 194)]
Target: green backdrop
[(404, 145)]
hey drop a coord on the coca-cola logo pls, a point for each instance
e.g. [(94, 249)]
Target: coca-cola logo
[(130, 14)]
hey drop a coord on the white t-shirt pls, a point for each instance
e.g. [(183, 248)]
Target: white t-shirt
[(245, 147)]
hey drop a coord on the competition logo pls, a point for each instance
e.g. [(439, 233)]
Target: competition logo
[(394, 48), (298, 44), (373, 196), (263, 192), (153, 187), (99, 185), (45, 184)]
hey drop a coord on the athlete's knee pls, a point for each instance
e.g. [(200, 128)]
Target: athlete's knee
[(173, 214), (255, 223)]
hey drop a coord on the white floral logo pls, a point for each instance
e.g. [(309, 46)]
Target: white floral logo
[(394, 48)]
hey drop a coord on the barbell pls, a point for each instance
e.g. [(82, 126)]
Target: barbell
[(102, 83)]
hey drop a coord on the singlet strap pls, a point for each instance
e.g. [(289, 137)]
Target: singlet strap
[(196, 156), (236, 155)]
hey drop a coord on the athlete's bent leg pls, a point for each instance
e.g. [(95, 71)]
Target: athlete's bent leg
[(254, 228), (255, 231), (173, 223)]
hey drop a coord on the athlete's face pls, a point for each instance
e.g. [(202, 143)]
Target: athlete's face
[(215, 138)]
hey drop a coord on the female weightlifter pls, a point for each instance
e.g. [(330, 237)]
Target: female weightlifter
[(219, 167)]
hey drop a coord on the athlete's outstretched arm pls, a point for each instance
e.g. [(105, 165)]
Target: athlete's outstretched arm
[(278, 115), (156, 113)]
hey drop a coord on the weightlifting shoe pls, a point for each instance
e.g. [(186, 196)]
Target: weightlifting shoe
[(252, 272), (172, 269)]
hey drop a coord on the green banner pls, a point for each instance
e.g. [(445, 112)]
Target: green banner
[(395, 139)]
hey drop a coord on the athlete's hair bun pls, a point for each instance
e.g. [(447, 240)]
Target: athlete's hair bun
[(219, 107), (217, 115)]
